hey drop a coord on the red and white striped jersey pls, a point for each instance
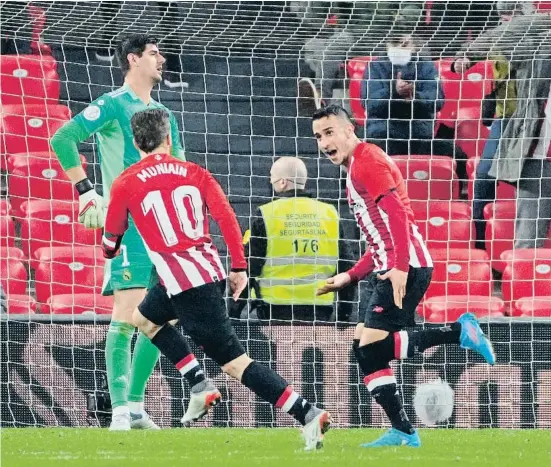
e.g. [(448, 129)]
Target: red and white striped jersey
[(169, 201), (372, 174)]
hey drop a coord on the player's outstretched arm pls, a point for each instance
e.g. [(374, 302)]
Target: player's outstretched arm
[(65, 144), (116, 222), (361, 269)]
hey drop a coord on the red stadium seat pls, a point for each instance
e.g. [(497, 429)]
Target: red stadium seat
[(526, 254), (5, 207), (11, 252), (504, 192), (28, 128), (79, 304), (459, 254), (357, 65), (18, 159), (444, 223), (355, 69), (89, 254), (429, 177), (451, 263), (38, 19), (456, 277), (500, 235), (543, 6), (463, 91), (67, 270), (532, 307), (21, 304), (41, 219), (13, 276), (32, 79), (7, 231), (447, 309), (38, 177), (527, 274), (424, 210), (471, 136), (502, 209)]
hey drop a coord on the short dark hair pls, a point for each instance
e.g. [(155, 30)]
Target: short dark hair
[(150, 128), (332, 109), (134, 44)]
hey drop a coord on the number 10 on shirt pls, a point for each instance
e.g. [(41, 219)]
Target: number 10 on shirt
[(188, 205)]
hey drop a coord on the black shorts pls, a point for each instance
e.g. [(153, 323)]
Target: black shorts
[(203, 315), (377, 309)]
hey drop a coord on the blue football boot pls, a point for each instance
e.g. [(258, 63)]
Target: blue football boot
[(473, 338), (394, 437)]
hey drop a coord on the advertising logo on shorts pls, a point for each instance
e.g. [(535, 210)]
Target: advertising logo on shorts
[(91, 113)]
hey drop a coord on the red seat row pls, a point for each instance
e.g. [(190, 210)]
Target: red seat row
[(461, 281), (57, 271), (28, 128), (29, 79), (500, 231), (47, 223), (65, 304)]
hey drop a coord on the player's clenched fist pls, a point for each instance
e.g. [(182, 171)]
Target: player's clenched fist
[(91, 211)]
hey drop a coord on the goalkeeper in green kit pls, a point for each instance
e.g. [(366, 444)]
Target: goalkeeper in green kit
[(128, 275)]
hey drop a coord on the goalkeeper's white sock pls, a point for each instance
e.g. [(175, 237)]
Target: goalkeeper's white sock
[(121, 410), (136, 407)]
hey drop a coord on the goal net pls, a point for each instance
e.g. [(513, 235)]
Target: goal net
[(243, 79)]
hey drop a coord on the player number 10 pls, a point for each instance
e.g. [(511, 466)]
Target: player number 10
[(304, 245), (191, 221)]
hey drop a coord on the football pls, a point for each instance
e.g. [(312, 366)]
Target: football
[(433, 402)]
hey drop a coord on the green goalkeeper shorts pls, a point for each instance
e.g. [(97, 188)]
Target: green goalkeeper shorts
[(132, 268)]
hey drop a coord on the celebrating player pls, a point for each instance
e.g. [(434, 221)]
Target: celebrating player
[(169, 200), (397, 253), (127, 276)]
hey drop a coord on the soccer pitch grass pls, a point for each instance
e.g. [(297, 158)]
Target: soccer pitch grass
[(213, 447)]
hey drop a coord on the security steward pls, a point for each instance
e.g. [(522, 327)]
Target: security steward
[(294, 245)]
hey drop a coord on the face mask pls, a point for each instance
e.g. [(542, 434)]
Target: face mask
[(399, 56)]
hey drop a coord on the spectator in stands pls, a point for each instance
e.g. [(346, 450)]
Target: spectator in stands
[(524, 151), (497, 108), (325, 53), (295, 244), (401, 94)]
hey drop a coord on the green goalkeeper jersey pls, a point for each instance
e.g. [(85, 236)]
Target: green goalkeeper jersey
[(108, 118)]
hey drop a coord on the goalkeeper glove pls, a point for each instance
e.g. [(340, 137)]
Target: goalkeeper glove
[(90, 205)]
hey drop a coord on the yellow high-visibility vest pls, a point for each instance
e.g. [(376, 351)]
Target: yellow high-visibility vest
[(302, 251)]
